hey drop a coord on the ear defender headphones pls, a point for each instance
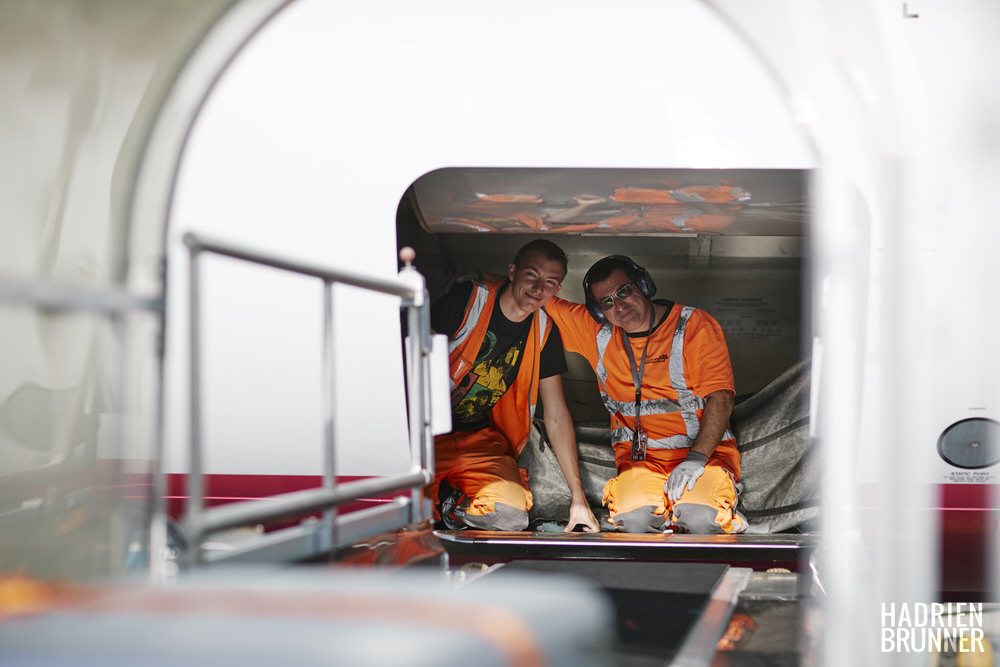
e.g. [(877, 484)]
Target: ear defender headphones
[(642, 280)]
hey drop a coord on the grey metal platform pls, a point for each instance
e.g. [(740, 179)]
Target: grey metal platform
[(759, 552)]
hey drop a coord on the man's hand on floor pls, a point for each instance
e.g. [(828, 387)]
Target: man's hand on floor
[(580, 513)]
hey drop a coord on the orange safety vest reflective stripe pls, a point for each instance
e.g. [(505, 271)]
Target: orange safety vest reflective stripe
[(513, 413)]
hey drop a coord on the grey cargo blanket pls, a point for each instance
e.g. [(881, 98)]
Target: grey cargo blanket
[(548, 486), (780, 463)]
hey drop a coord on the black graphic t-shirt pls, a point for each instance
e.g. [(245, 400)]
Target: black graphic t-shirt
[(498, 361)]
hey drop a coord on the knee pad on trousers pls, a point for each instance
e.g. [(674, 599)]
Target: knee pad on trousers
[(698, 519), (504, 517), (641, 520)]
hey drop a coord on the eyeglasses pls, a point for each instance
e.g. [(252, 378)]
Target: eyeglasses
[(622, 293)]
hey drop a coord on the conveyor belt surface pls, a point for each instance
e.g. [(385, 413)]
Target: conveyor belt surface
[(758, 552)]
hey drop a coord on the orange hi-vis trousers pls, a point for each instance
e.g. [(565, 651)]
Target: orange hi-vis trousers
[(637, 502), (481, 465)]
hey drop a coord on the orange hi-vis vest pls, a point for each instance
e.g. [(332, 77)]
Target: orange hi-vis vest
[(677, 410), (686, 361), (512, 414)]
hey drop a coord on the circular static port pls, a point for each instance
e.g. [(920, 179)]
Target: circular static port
[(971, 443)]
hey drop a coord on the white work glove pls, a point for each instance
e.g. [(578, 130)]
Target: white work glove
[(685, 475)]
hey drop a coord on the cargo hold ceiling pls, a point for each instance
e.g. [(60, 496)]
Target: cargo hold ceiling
[(642, 202)]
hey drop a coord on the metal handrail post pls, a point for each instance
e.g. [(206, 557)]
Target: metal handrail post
[(418, 374), (195, 481), (417, 370), (121, 547), (426, 457), (329, 395)]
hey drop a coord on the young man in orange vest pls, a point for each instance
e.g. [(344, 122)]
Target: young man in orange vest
[(665, 377), (504, 354)]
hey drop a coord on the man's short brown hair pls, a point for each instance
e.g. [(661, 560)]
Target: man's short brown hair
[(546, 248)]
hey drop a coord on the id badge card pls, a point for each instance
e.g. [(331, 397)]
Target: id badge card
[(639, 445)]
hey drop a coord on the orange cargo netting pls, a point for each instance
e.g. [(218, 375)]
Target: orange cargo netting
[(666, 207), (712, 194), (510, 198)]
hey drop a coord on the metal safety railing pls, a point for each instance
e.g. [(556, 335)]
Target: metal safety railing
[(74, 475), (311, 537)]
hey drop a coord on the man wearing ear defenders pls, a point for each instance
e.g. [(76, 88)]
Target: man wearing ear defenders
[(664, 373)]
